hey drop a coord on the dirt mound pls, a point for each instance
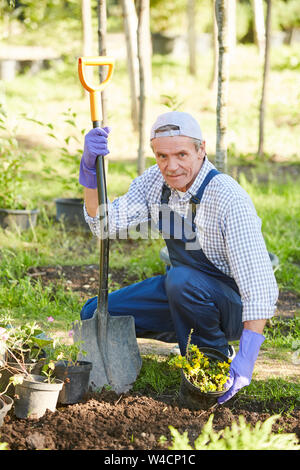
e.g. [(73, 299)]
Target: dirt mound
[(131, 421)]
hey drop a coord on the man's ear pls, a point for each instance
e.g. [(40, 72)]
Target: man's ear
[(202, 149)]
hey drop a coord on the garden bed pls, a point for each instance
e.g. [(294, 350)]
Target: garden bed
[(131, 421), (137, 420)]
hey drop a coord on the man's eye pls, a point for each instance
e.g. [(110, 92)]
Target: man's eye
[(182, 154)]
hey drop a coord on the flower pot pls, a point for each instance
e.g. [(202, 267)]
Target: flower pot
[(162, 43), (75, 378), (191, 396), (34, 396), (70, 211), (22, 219), (6, 403), (13, 368)]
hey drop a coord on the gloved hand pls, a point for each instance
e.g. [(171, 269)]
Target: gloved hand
[(95, 144), (241, 368)]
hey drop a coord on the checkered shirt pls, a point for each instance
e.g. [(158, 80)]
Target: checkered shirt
[(227, 227)]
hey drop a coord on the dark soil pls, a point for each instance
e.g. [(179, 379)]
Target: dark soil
[(132, 421), (127, 422)]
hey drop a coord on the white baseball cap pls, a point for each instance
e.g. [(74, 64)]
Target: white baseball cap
[(184, 125)]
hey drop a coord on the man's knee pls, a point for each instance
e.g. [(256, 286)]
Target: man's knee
[(184, 280), (88, 309), (178, 282)]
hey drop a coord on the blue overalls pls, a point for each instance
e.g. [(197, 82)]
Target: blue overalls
[(193, 294)]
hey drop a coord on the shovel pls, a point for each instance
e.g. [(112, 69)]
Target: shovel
[(109, 342)]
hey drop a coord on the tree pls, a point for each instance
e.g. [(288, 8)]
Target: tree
[(223, 81), (259, 26), (265, 80), (192, 36), (130, 28), (144, 57), (214, 73)]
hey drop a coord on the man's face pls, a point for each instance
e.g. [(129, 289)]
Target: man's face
[(178, 160)]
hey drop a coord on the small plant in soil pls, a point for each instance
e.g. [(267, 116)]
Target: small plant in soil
[(21, 350), (204, 373), (60, 351), (21, 344)]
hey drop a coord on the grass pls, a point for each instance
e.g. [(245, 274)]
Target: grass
[(157, 376), (278, 207), (271, 393)]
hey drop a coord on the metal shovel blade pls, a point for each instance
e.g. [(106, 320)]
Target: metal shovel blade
[(122, 362)]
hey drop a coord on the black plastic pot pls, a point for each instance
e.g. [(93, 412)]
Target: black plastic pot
[(190, 396), (6, 403), (70, 211), (162, 43), (22, 219), (76, 380)]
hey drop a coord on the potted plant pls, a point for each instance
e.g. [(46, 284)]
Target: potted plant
[(16, 208), (23, 370), (35, 394), (73, 372), (22, 350), (204, 374)]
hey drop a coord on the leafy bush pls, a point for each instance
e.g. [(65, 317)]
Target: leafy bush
[(12, 159), (239, 437), (69, 150)]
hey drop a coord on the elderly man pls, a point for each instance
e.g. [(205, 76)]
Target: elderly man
[(221, 283)]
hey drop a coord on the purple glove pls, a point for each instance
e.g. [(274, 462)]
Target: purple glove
[(241, 368), (95, 144)]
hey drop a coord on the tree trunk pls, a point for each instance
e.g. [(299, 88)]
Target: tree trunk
[(130, 28), (144, 56), (87, 35), (265, 80), (102, 21), (223, 81), (214, 75), (259, 26), (192, 36)]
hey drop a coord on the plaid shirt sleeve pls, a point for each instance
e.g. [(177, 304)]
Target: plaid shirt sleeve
[(124, 212), (249, 261)]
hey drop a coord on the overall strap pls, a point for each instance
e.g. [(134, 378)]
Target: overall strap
[(197, 198), (165, 194)]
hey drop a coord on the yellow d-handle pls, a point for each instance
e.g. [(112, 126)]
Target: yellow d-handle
[(94, 90)]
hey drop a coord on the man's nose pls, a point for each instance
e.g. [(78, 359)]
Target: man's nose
[(172, 164)]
